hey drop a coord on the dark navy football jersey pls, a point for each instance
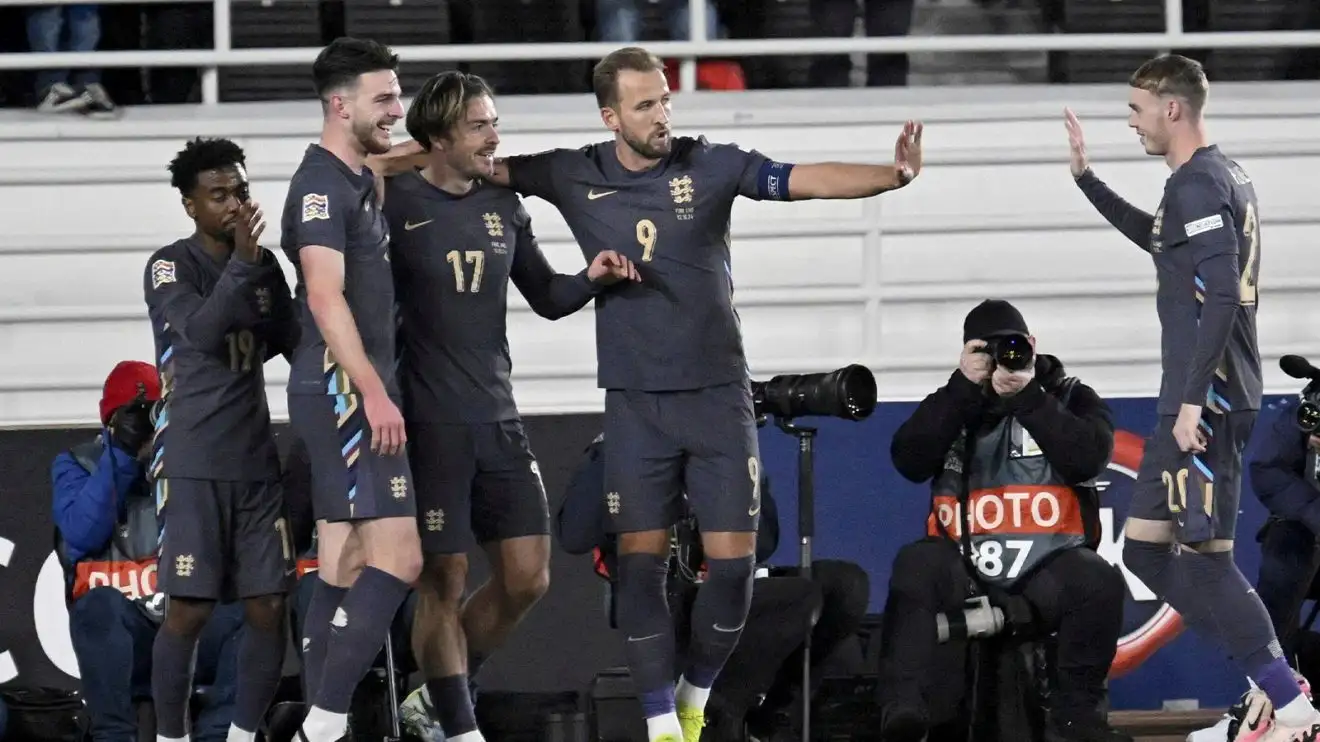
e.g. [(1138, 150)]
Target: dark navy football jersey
[(676, 329), (453, 257), (215, 323), (1206, 246), (331, 206)]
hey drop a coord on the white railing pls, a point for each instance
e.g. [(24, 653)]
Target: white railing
[(224, 55)]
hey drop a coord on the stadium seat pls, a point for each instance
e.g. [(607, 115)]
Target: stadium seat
[(271, 24), (403, 23)]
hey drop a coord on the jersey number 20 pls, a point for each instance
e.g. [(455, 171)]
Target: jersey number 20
[(1251, 233)]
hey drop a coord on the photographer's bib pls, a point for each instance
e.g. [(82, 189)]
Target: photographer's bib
[(128, 562), (1016, 510)]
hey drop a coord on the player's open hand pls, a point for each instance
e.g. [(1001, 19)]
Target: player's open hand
[(247, 232), (387, 433), (907, 152), (1187, 429), (1077, 161), (609, 267)]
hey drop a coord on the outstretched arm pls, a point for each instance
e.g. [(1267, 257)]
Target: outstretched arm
[(838, 180), (1133, 223)]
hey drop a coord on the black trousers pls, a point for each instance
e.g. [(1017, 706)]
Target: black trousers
[(1076, 594), (768, 658), (1289, 562), (835, 18)]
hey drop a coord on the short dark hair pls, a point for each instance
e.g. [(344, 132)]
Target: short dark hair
[(441, 105), (1176, 76), (605, 77), (341, 63), (200, 155)]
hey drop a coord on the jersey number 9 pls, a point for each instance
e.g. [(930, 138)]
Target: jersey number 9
[(646, 237)]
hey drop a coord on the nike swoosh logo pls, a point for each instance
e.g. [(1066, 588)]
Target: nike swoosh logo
[(592, 195), (409, 226)]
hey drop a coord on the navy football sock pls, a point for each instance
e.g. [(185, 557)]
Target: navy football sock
[(357, 633), (326, 599), (171, 681)]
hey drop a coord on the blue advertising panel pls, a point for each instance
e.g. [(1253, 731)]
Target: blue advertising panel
[(865, 512)]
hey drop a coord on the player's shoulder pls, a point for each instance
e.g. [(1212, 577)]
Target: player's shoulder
[(699, 151), (167, 264), (174, 251)]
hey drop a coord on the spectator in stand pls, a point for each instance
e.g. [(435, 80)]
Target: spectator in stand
[(621, 20), (838, 18), (68, 28)]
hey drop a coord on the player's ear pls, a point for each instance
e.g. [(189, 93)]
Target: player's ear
[(189, 208), (610, 117)]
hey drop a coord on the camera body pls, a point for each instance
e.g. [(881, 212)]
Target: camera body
[(1012, 352), (1308, 412), (133, 424)]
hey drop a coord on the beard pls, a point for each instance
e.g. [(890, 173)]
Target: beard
[(644, 147)]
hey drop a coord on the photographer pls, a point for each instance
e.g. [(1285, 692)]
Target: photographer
[(1282, 458), (107, 538), (768, 658), (1011, 447)]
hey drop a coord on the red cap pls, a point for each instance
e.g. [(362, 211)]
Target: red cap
[(126, 381)]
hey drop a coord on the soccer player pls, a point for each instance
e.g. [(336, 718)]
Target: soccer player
[(455, 243), (678, 407), (343, 399), (1205, 242), (220, 308)]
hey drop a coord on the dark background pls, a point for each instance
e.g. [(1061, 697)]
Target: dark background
[(864, 513)]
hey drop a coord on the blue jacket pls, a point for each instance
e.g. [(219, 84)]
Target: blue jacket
[(87, 505), (1276, 458)]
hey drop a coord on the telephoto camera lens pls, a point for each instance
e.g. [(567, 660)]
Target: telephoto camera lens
[(1012, 352), (977, 620), (848, 393)]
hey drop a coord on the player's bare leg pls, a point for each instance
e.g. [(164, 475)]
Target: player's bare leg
[(520, 575), (1204, 585), (718, 616), (361, 622), (172, 664), (440, 645)]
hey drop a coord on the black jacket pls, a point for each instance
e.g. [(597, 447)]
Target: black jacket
[(1077, 440)]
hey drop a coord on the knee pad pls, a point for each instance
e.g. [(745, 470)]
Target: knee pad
[(1150, 562), (642, 606)]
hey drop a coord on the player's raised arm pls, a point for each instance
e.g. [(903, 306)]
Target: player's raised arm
[(839, 180), (174, 297), (1201, 207), (1132, 222), (554, 295)]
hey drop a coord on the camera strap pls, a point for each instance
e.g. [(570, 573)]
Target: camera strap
[(964, 526)]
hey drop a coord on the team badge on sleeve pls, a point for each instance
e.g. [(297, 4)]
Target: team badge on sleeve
[(162, 272), (316, 206)]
